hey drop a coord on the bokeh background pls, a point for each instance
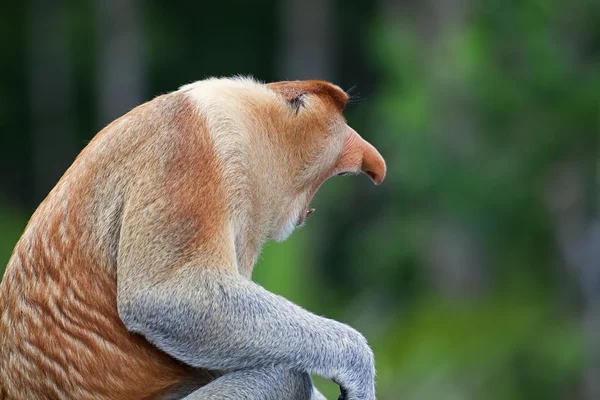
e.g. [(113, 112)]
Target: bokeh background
[(474, 270)]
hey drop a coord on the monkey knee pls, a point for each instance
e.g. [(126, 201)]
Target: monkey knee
[(273, 383), (297, 385), (285, 384)]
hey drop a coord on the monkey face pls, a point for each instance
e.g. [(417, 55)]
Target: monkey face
[(320, 144)]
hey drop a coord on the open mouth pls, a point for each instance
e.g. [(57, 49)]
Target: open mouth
[(309, 210)]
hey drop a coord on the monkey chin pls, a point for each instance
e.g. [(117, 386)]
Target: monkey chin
[(296, 220), (288, 227)]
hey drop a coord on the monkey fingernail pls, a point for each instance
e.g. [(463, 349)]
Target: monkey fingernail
[(310, 211)]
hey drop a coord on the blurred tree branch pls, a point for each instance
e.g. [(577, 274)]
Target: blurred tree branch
[(307, 47), (120, 72), (50, 93)]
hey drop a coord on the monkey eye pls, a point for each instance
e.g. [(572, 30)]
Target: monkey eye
[(297, 102)]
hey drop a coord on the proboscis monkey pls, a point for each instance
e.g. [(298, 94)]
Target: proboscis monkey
[(132, 279)]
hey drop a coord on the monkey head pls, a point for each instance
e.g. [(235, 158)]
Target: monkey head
[(277, 143)]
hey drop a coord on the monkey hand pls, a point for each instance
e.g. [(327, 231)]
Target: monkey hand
[(357, 381)]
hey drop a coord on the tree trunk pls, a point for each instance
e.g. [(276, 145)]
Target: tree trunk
[(578, 238), (50, 93), (121, 80), (307, 45)]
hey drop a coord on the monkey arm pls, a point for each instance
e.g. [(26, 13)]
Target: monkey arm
[(219, 320)]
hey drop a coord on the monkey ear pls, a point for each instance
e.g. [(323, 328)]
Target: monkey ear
[(293, 92), (290, 91), (297, 102)]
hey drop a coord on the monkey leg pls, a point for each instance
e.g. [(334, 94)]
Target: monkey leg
[(272, 383)]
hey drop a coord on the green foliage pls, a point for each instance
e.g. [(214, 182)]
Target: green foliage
[(461, 351), (474, 120)]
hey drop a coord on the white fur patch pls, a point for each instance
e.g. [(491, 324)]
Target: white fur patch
[(288, 227)]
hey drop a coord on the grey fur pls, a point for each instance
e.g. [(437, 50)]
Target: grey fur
[(272, 383), (231, 323)]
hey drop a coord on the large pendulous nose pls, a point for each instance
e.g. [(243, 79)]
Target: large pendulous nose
[(371, 162)]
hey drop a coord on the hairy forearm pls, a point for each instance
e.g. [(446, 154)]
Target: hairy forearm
[(231, 323)]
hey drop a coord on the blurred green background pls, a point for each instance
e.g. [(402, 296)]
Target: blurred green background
[(474, 270)]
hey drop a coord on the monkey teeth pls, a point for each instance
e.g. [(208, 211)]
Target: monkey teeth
[(310, 211)]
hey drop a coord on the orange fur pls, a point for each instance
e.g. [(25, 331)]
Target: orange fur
[(60, 334), (243, 173)]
